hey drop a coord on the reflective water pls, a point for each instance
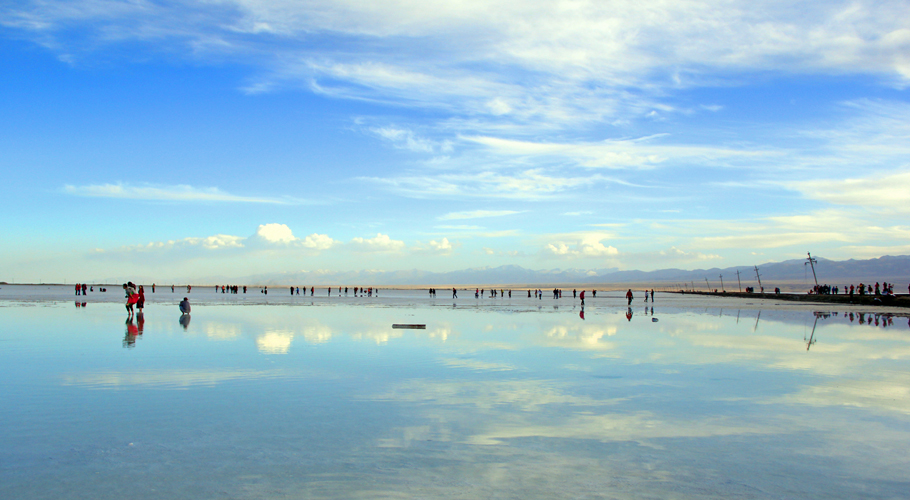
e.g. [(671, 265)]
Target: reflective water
[(330, 401)]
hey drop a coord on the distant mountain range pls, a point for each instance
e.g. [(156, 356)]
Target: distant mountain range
[(894, 269)]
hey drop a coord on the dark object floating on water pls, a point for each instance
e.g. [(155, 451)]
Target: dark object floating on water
[(413, 327), (653, 320)]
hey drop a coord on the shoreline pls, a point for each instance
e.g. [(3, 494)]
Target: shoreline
[(418, 297), (897, 300)]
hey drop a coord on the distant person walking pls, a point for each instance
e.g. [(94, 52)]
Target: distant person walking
[(582, 297), (454, 293), (629, 296)]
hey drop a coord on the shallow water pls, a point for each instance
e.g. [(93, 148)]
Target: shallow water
[(513, 400)]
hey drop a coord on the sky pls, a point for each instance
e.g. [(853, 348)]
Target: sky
[(241, 137)]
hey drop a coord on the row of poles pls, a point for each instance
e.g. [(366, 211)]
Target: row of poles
[(811, 261)]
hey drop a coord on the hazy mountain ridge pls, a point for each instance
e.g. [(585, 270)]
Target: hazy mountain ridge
[(887, 268)]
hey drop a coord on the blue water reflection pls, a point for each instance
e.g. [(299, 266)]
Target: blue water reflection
[(269, 401)]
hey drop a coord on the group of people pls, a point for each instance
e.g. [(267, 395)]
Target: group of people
[(883, 320), (135, 300), (878, 290), (346, 290), (135, 297)]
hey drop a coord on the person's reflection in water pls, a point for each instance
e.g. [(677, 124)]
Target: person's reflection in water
[(185, 321), (629, 314), (132, 331), (140, 323), (582, 314)]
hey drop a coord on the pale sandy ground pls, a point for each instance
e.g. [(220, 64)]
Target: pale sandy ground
[(414, 297)]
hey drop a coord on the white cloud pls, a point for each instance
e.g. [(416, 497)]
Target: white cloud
[(435, 247), (267, 236), (275, 233), (681, 255), (166, 193), (216, 242), (585, 245), (317, 241), (442, 246), (380, 243)]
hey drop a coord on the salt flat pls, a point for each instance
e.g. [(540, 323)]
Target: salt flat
[(250, 397)]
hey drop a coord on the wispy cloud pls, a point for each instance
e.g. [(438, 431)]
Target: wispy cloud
[(406, 139), (583, 63), (477, 214), (181, 193), (525, 185), (889, 191), (642, 153)]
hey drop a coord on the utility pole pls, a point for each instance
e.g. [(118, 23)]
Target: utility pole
[(758, 277), (722, 283), (811, 263), (738, 281)]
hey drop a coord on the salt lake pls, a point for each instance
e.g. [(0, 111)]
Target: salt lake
[(281, 397)]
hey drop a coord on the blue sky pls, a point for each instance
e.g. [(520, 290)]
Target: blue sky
[(235, 137)]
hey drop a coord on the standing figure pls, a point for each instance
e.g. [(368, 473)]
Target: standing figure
[(629, 296), (140, 302)]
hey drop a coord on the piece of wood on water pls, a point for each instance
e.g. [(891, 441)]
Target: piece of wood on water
[(410, 326)]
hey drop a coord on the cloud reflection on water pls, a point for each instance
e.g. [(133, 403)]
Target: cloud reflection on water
[(483, 400), (165, 379)]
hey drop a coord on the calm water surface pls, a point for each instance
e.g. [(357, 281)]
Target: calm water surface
[(328, 401)]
